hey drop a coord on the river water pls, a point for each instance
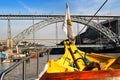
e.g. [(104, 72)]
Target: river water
[(31, 67)]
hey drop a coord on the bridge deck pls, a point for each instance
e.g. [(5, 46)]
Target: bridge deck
[(42, 17)]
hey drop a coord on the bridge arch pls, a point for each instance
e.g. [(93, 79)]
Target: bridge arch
[(105, 31)]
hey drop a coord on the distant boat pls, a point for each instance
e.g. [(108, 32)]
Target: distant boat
[(7, 60)]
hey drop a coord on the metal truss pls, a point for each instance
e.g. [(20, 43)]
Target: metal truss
[(105, 31), (102, 29), (35, 27), (43, 17)]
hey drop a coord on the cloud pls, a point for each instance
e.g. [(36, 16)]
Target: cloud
[(86, 7), (35, 10), (27, 8), (98, 1)]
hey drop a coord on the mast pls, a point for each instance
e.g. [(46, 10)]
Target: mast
[(67, 26)]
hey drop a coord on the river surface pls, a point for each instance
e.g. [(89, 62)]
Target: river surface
[(31, 68)]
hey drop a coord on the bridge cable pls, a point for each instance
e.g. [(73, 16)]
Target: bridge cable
[(92, 17)]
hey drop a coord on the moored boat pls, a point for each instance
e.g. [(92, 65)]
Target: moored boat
[(84, 75), (75, 64), (78, 65)]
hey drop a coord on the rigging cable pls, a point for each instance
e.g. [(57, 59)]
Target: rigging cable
[(92, 17)]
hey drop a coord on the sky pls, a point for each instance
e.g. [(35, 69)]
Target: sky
[(57, 6), (78, 7)]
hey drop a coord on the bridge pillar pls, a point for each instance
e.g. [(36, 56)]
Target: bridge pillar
[(9, 38)]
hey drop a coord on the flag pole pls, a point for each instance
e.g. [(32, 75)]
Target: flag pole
[(67, 25)]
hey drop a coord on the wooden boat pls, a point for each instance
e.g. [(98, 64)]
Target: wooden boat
[(78, 65)]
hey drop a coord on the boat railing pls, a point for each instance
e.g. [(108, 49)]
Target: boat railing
[(21, 62)]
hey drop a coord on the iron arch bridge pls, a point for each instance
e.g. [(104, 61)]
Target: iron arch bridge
[(105, 31)]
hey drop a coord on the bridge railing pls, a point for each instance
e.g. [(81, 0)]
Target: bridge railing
[(22, 68)]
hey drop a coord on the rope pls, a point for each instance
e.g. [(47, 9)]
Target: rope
[(86, 61), (92, 17)]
